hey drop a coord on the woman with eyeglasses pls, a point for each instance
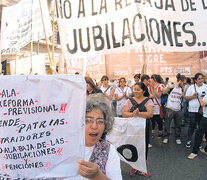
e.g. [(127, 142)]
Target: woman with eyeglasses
[(101, 158), (122, 93), (106, 89), (140, 106)]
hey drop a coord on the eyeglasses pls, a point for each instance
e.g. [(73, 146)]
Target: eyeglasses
[(123, 81), (104, 80), (91, 121)]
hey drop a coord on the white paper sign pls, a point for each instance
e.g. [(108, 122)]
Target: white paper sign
[(128, 136), (22, 23), (42, 125)]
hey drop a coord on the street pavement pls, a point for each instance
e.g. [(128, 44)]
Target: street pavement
[(169, 161)]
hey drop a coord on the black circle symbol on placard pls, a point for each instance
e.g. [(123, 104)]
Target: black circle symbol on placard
[(129, 152)]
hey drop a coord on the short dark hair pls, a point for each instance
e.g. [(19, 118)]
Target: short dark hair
[(137, 75), (197, 75), (144, 76), (104, 77)]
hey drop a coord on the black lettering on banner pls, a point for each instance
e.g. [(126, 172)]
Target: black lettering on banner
[(81, 9), (118, 2), (74, 50), (115, 44), (59, 8), (126, 36), (96, 37), (204, 2), (103, 6), (177, 34), (186, 24), (169, 5), (187, 5), (166, 31), (159, 6), (129, 152), (66, 5), (93, 12), (157, 29), (107, 37), (147, 29), (142, 37), (81, 41)]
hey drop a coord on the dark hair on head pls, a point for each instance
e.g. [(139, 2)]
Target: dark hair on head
[(193, 79), (157, 78), (197, 75), (104, 77), (77, 72), (144, 88), (91, 82), (167, 78), (180, 77), (188, 80), (144, 76), (122, 78), (137, 75)]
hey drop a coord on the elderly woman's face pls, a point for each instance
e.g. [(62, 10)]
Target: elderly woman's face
[(94, 127)]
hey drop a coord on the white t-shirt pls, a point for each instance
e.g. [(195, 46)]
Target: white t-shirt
[(113, 169), (120, 103), (156, 110), (103, 89), (193, 105), (174, 99)]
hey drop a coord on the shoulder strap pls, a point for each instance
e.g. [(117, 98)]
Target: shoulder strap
[(134, 103), (197, 96), (157, 101), (143, 102), (107, 89)]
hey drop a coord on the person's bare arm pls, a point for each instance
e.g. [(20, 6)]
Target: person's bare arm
[(90, 170)]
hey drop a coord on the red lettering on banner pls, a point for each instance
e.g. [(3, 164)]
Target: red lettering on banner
[(63, 108), (59, 151), (48, 165)]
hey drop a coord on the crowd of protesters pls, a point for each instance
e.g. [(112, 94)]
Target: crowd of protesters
[(163, 104)]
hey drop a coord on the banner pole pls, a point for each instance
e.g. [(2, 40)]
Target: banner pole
[(48, 50), (31, 45), (144, 68), (53, 32)]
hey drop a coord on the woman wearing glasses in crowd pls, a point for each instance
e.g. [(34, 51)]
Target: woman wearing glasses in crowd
[(101, 158), (122, 93), (140, 106), (106, 89)]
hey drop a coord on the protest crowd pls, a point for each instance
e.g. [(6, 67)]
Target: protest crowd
[(163, 104), (73, 126)]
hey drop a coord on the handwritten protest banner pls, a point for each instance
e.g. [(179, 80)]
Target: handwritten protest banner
[(128, 136), (108, 26), (41, 126), (22, 23)]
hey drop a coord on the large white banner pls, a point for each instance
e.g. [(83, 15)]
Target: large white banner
[(100, 27), (22, 23), (128, 136), (41, 126)]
